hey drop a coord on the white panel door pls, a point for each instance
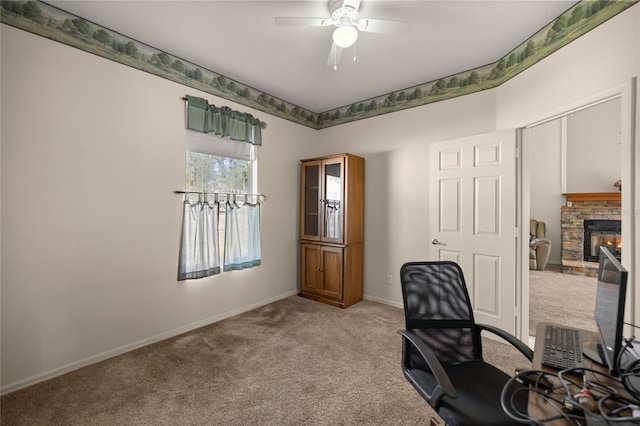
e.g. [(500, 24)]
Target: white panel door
[(472, 219)]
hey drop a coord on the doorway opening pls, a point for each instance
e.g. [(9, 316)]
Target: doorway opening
[(573, 153)]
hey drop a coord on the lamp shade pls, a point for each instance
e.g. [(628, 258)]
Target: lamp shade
[(345, 36)]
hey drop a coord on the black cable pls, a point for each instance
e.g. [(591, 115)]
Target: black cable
[(631, 325), (628, 345), (510, 408), (612, 415), (603, 403), (610, 403), (554, 403), (630, 375), (632, 371)]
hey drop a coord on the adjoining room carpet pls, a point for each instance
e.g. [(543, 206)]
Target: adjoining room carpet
[(293, 362), (564, 299)]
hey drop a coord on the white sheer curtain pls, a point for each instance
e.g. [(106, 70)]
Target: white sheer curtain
[(199, 247), (242, 236)]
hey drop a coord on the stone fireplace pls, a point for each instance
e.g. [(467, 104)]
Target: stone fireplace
[(602, 232), (589, 220)]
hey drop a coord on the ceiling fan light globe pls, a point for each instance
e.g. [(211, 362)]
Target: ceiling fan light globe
[(345, 36)]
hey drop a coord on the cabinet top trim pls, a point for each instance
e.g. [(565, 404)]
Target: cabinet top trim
[(346, 154)]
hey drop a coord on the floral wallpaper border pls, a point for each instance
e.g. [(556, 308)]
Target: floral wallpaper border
[(48, 21)]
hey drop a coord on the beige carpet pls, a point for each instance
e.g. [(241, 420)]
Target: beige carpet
[(562, 299), (293, 362)]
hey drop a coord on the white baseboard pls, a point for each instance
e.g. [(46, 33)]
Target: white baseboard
[(384, 301), (135, 345)]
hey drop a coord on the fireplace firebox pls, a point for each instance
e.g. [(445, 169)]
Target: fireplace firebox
[(599, 233)]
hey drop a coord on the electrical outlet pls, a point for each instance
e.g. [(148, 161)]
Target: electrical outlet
[(389, 279)]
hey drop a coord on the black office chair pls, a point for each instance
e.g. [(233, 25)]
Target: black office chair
[(442, 348)]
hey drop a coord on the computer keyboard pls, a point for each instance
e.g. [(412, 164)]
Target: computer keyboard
[(562, 348)]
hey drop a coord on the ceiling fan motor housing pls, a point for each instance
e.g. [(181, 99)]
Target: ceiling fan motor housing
[(344, 12)]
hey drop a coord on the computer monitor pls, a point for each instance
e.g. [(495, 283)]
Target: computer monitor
[(609, 309)]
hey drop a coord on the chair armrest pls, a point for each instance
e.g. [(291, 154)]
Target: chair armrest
[(518, 344), (445, 387), (539, 242)]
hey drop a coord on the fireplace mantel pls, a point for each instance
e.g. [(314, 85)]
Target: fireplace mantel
[(593, 196)]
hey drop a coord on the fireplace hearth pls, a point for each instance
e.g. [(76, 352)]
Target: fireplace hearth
[(598, 233)]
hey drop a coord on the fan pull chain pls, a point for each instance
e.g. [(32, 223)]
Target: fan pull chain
[(354, 52), (335, 60)]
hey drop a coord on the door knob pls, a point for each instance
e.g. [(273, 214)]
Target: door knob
[(436, 242)]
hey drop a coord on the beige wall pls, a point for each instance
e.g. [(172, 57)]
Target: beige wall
[(594, 148), (600, 60), (545, 155), (92, 151), (395, 146), (91, 154)]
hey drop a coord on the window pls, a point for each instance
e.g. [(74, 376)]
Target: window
[(215, 173), (218, 174), (225, 168), (214, 165), (218, 165)]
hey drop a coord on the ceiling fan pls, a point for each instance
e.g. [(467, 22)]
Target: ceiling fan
[(343, 14)]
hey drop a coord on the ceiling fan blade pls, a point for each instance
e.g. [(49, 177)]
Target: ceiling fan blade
[(384, 27), (334, 55), (300, 22)]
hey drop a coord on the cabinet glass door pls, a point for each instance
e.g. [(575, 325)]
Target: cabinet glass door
[(311, 201), (333, 201)]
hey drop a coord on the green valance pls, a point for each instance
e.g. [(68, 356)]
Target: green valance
[(223, 121)]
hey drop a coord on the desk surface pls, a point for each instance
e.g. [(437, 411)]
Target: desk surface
[(538, 406)]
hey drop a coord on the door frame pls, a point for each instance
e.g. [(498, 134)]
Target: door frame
[(630, 195)]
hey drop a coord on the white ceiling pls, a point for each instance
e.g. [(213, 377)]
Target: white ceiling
[(239, 40)]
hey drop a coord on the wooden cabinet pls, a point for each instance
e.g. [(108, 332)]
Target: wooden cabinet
[(322, 270), (332, 229)]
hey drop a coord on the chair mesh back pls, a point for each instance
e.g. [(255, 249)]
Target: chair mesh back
[(437, 308)]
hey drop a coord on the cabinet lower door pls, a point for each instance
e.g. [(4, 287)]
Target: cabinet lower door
[(322, 270)]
